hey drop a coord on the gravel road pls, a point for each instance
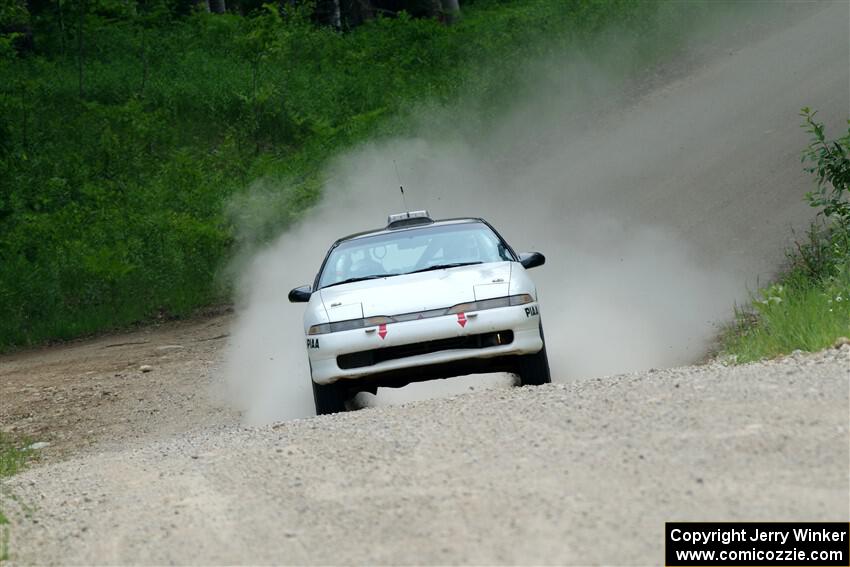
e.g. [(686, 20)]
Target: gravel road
[(561, 474), (93, 393)]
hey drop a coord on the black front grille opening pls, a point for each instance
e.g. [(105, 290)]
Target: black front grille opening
[(371, 357)]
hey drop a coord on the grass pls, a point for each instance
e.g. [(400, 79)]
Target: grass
[(13, 455), (807, 309), (13, 458)]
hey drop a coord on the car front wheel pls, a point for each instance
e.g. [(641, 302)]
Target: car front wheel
[(329, 398), (533, 369)]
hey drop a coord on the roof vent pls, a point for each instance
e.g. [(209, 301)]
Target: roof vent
[(410, 218)]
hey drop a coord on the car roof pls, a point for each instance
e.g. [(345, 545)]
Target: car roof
[(378, 231)]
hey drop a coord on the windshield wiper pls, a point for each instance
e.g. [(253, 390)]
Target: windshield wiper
[(360, 279), (444, 266)]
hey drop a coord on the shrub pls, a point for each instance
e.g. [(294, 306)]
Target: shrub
[(830, 164), (809, 307)]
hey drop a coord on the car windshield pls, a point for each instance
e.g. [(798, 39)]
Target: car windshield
[(413, 250)]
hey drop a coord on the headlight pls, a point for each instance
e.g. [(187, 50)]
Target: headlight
[(492, 303), (352, 324), (348, 325), (335, 327)]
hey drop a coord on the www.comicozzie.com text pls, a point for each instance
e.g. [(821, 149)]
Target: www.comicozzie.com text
[(743, 534)]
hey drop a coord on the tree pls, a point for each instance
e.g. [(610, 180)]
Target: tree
[(15, 27), (359, 11), (336, 16), (81, 19), (451, 9)]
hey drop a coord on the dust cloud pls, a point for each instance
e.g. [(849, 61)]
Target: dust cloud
[(623, 185)]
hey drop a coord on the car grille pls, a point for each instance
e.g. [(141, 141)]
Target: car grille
[(371, 357)]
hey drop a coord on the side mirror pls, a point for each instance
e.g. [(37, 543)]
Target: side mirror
[(301, 294), (532, 259)]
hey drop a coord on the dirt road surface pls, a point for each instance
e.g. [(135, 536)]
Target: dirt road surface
[(569, 474), (94, 393), (152, 465)]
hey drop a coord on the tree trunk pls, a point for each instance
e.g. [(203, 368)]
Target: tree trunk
[(428, 9), (348, 13), (217, 6), (144, 54), (81, 7), (61, 18), (451, 10), (361, 11), (336, 15)]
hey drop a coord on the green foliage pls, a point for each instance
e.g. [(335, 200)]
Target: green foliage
[(830, 164), (809, 308), (128, 132), (13, 456), (14, 18), (797, 314), (13, 13)]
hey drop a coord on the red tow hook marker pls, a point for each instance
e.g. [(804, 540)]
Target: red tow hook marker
[(461, 319), (382, 330)]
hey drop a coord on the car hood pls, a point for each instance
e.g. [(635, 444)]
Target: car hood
[(416, 292)]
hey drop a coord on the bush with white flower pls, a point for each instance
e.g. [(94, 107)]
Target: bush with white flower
[(809, 308)]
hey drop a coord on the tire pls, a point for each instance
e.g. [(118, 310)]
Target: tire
[(329, 398), (533, 369)]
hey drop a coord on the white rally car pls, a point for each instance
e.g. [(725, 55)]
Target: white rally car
[(419, 300)]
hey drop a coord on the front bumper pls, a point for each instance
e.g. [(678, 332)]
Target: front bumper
[(522, 320)]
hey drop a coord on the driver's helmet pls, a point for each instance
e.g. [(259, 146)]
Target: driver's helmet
[(363, 265)]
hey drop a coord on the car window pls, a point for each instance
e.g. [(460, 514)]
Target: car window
[(406, 251)]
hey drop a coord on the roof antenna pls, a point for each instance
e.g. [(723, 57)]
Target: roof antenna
[(400, 187)]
